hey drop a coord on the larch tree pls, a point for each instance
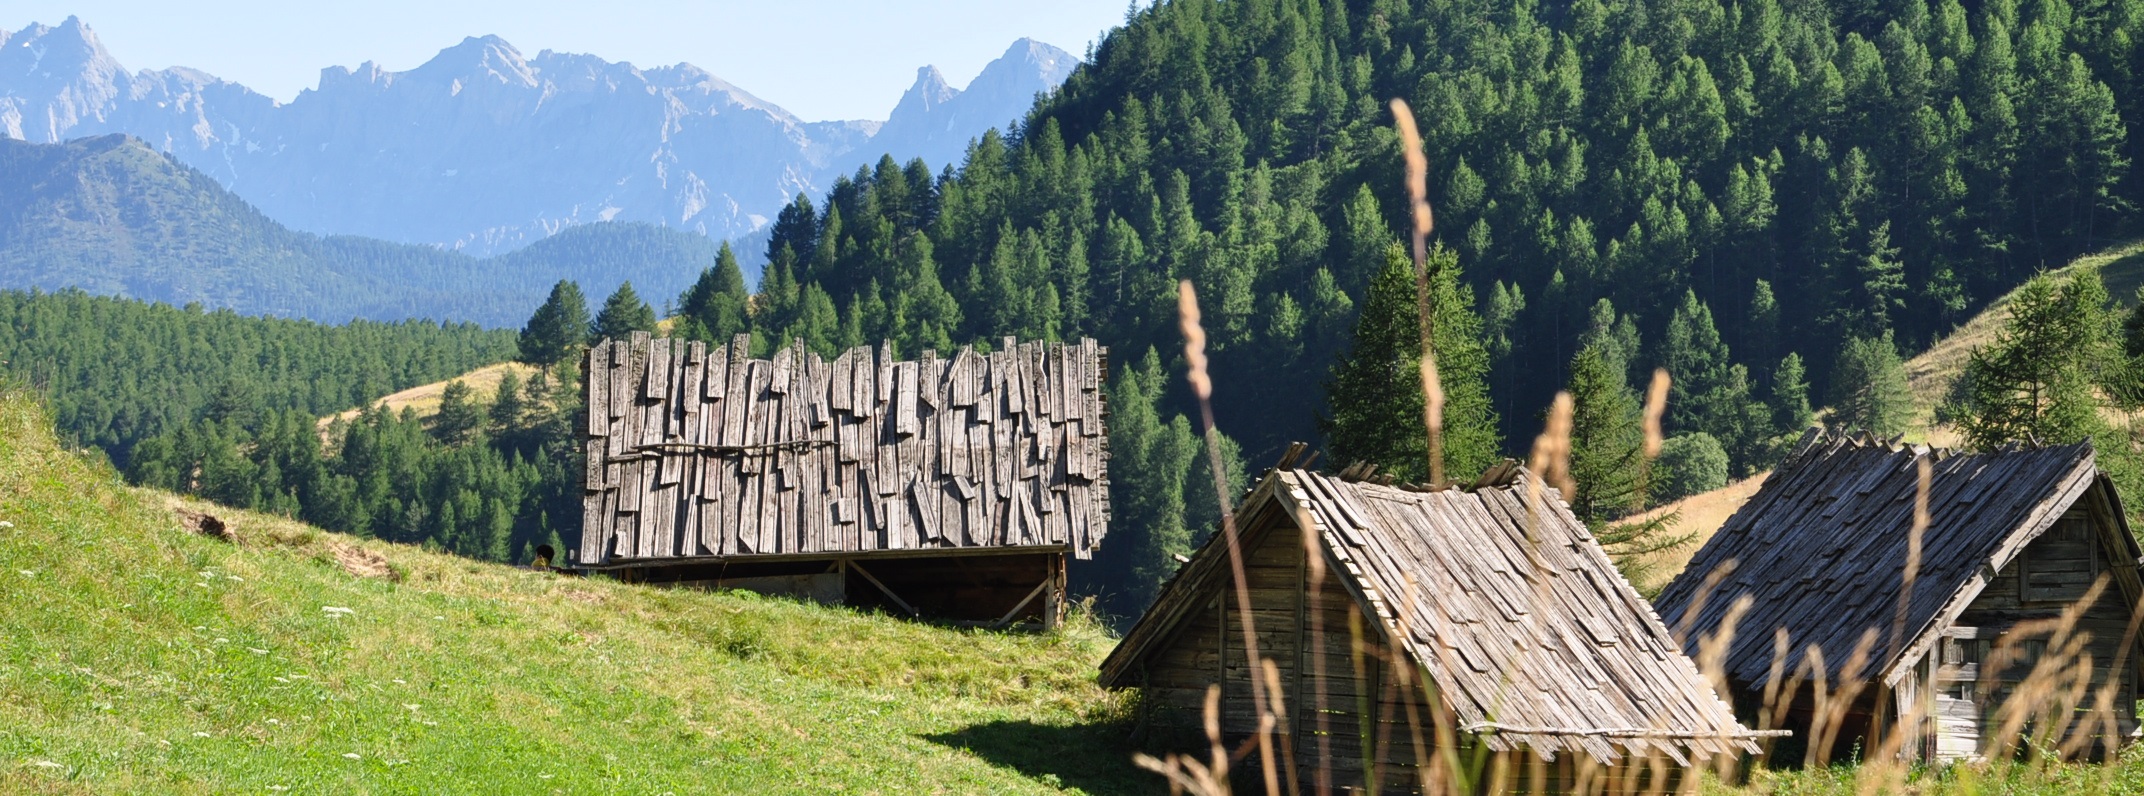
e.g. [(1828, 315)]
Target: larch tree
[(2038, 379)]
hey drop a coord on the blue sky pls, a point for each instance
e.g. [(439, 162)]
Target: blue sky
[(821, 59)]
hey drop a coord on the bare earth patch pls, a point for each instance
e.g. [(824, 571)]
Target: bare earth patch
[(361, 562)]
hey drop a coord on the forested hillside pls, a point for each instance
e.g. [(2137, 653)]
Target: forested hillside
[(1809, 173), (112, 216), (1737, 191), (227, 407)]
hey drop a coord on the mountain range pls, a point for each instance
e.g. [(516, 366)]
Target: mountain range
[(485, 149), (112, 215)]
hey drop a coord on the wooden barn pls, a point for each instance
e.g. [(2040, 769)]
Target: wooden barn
[(2014, 538), (952, 487), (1535, 648)]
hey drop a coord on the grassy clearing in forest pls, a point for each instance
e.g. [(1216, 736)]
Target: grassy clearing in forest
[(138, 656)]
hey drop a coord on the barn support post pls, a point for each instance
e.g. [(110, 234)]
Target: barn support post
[(859, 568), (1053, 600)]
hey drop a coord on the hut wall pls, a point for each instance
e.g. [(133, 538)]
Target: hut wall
[(1208, 649), (2050, 575)]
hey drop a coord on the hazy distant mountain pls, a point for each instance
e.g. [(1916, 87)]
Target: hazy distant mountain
[(484, 149), (935, 121), (112, 216)]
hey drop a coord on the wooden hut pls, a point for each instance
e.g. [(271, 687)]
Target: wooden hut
[(953, 487), (2014, 538), (1533, 648)]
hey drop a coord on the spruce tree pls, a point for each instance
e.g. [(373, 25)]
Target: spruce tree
[(1607, 441), (1690, 464), (714, 308), (623, 314), (1375, 392), (1790, 397), (558, 328)]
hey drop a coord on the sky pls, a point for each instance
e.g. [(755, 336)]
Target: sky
[(820, 59)]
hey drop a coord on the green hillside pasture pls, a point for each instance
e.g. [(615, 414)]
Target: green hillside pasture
[(139, 656)]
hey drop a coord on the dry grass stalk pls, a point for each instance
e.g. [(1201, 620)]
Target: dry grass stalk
[(1424, 223), (2041, 712), (1656, 405), (1187, 313), (1551, 459), (1314, 580), (1186, 774)]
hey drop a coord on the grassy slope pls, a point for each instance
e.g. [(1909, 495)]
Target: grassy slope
[(136, 656), (424, 398)]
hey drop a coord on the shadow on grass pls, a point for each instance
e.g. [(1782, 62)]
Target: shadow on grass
[(1092, 758)]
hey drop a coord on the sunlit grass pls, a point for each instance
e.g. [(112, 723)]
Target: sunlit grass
[(136, 656)]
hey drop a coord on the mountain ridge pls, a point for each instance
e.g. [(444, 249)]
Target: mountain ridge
[(111, 215), (483, 148)]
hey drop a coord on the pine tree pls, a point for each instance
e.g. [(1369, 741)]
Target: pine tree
[(623, 314), (1868, 388), (558, 328), (1375, 393)]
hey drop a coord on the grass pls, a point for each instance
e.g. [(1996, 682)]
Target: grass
[(139, 657), (1700, 515), (424, 398)]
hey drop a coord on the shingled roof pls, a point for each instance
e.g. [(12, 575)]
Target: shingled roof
[(704, 453), (1821, 549), (1503, 597)]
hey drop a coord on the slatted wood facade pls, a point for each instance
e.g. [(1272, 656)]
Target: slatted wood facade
[(700, 454), (2014, 535), (1537, 646)]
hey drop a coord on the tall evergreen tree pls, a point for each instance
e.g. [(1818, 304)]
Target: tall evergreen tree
[(2037, 380), (558, 328), (1375, 393), (1868, 388), (716, 307), (623, 314)]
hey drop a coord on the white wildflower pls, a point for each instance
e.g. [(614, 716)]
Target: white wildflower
[(353, 756), (6, 524)]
